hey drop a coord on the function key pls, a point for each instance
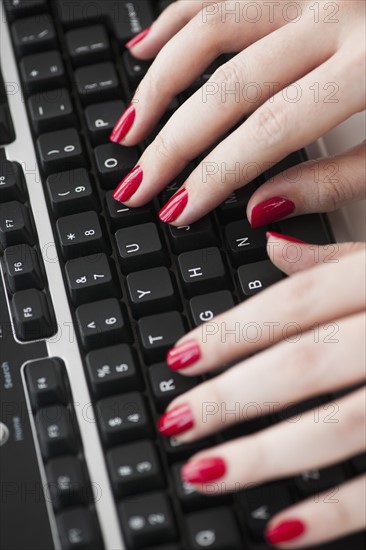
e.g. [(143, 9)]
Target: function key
[(97, 83), (102, 323), (15, 224), (190, 237), (42, 71), (21, 8), (114, 162), (67, 482), (244, 243), (123, 216), (151, 291), (31, 315), (22, 268), (7, 134), (80, 234), (135, 68), (78, 529), (166, 384), (147, 520), (70, 192), (159, 333), (50, 110), (202, 270), (56, 431), (101, 119), (33, 34), (135, 468), (256, 277), (216, 529), (204, 308), (140, 246), (88, 45), (12, 182), (46, 382), (60, 150), (113, 370)]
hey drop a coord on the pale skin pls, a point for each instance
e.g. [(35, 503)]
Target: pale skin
[(320, 48)]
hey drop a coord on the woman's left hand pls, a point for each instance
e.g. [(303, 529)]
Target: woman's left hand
[(296, 361)]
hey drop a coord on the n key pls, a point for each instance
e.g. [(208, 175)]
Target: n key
[(60, 151)]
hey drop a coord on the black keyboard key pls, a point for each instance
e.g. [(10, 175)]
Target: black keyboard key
[(101, 119), (122, 216), (317, 481), (56, 430), (310, 228), (33, 34), (135, 69), (190, 498), (291, 160), (42, 71), (78, 529), (31, 315), (67, 482), (90, 276), (22, 268), (256, 277), (135, 468), (245, 244), (204, 308), (80, 234), (21, 8), (88, 45), (15, 224), (102, 323), (151, 291), (97, 83), (183, 451), (7, 133), (113, 370), (190, 237), (159, 333), (123, 418), (166, 384), (114, 162), (46, 382), (202, 270), (234, 207), (60, 151), (358, 463), (71, 192), (50, 110), (140, 246), (215, 529), (147, 520), (12, 182)]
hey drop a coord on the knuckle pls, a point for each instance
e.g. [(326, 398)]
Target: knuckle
[(334, 191), (269, 124), (165, 147), (227, 80)]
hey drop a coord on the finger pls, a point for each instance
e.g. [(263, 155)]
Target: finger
[(306, 366), (290, 255), (276, 129), (326, 517), (316, 186), (278, 452), (273, 315)]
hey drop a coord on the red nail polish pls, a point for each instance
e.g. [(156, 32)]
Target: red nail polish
[(183, 356), (203, 470), (176, 421), (174, 207), (283, 237), (271, 210), (284, 531), (136, 39), (124, 124), (128, 185)]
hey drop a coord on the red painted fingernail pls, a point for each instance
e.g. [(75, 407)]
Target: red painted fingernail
[(183, 356), (136, 39), (271, 210), (284, 531), (203, 470), (124, 124), (283, 237), (174, 207), (128, 185), (176, 421)]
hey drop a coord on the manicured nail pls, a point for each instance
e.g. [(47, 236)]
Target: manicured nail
[(183, 356), (128, 185), (136, 39), (176, 421), (203, 470), (174, 207), (284, 531), (283, 237), (270, 211), (124, 124)]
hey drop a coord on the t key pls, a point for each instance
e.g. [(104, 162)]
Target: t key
[(60, 151), (158, 333)]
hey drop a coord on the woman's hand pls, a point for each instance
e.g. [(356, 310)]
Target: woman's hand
[(299, 72), (295, 361)]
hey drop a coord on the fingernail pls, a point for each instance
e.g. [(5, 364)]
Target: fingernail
[(136, 39), (176, 421), (270, 211), (174, 207), (283, 237), (203, 470), (124, 124), (184, 355), (284, 531), (128, 185)]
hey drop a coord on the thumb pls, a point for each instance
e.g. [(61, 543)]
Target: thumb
[(291, 255)]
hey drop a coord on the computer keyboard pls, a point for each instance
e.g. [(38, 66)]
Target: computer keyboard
[(93, 294)]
